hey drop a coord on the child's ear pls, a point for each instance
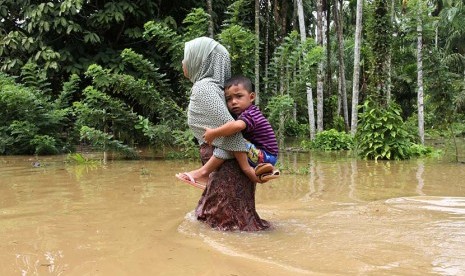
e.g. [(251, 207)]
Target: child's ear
[(252, 96)]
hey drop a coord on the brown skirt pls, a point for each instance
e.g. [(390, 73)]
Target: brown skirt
[(228, 202)]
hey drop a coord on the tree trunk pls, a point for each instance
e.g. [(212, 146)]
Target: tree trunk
[(389, 58), (320, 73), (303, 38), (267, 36), (327, 41), (342, 75), (257, 52), (421, 118), (356, 77), (280, 17), (210, 23)]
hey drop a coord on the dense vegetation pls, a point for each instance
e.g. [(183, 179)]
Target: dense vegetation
[(108, 73)]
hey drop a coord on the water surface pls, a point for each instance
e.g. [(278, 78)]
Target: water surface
[(330, 216)]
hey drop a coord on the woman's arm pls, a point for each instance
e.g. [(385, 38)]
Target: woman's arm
[(227, 129)]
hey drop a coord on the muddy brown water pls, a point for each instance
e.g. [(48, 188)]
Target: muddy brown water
[(331, 216)]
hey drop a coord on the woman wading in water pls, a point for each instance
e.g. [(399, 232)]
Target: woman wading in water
[(228, 201)]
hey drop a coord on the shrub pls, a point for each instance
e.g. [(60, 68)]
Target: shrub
[(381, 133), (329, 140), (295, 129), (44, 145), (29, 123)]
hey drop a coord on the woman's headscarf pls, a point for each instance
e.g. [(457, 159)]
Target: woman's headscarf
[(206, 58)]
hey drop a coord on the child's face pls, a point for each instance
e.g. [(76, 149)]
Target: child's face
[(238, 98)]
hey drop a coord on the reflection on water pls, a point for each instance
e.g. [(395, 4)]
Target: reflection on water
[(332, 216)]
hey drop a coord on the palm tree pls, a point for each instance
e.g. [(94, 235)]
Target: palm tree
[(210, 22), (421, 116), (303, 38), (257, 51), (320, 74), (356, 77), (342, 76)]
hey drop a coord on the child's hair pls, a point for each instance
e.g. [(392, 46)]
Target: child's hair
[(239, 79)]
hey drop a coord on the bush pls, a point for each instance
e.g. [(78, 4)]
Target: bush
[(44, 145), (420, 150), (294, 129), (381, 133), (29, 123), (329, 140)]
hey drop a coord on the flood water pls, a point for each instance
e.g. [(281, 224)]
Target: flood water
[(330, 216)]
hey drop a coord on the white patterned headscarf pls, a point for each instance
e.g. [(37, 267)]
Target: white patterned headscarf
[(208, 66)]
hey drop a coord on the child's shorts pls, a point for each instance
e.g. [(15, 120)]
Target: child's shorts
[(257, 156)]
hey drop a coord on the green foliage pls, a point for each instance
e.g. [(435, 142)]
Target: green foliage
[(279, 110), (381, 133), (329, 140), (379, 37), (240, 43), (29, 123), (197, 24), (169, 47), (292, 66), (159, 135), (136, 95), (139, 67), (295, 129), (239, 14), (80, 159), (338, 123), (100, 110), (418, 150), (166, 41), (140, 94), (119, 110), (285, 62), (105, 142), (44, 145), (70, 88), (64, 37), (186, 143), (22, 133), (34, 77)]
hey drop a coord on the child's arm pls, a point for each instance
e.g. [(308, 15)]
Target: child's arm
[(227, 129)]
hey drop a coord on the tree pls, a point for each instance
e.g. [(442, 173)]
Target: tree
[(210, 12), (421, 115), (308, 85), (257, 51), (320, 74), (341, 75), (379, 40), (356, 77), (67, 36), (389, 58)]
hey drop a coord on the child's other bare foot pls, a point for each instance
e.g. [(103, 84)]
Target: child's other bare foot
[(263, 168), (187, 178), (197, 175), (250, 172), (269, 176)]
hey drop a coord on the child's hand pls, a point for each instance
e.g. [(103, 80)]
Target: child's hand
[(209, 135)]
